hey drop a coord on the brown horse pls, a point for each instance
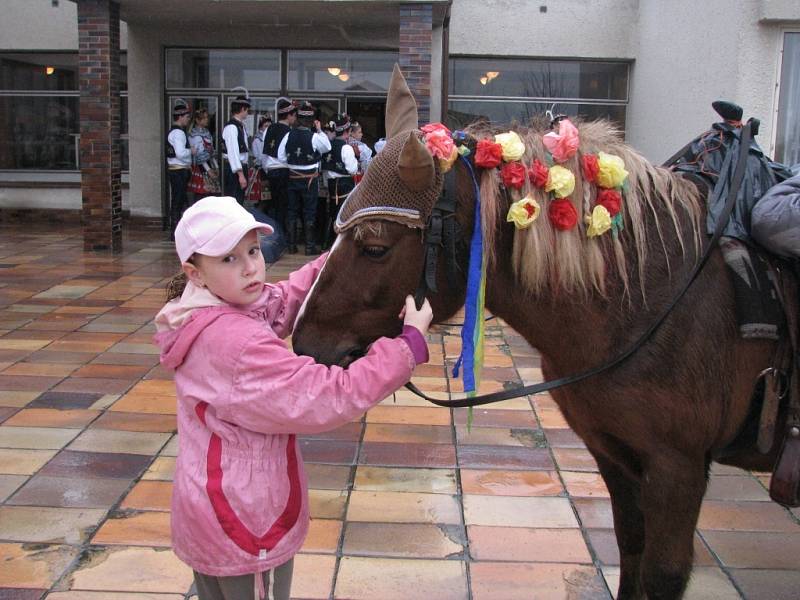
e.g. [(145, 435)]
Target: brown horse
[(653, 423)]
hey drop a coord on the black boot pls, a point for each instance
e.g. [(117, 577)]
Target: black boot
[(311, 246), (291, 236)]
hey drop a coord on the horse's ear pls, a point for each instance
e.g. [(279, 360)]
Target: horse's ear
[(401, 108), (415, 165)]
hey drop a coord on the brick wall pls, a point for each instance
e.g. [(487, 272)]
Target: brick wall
[(416, 33), (99, 74)]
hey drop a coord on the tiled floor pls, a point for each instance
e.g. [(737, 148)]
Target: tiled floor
[(407, 503)]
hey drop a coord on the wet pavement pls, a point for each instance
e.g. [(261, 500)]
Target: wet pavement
[(405, 503)]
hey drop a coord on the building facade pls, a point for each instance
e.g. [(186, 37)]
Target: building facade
[(86, 86)]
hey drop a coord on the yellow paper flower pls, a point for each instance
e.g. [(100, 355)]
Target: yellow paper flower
[(560, 181), (611, 172), (599, 222), (524, 212), (513, 147), (445, 164)]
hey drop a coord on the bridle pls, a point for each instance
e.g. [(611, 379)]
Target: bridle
[(434, 239)]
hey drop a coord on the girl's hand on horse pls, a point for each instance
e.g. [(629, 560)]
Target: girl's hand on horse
[(421, 319)]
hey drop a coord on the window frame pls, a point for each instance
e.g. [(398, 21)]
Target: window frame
[(781, 46)]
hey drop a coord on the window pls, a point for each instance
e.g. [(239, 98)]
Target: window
[(332, 71), (223, 69), (39, 111), (787, 135), (508, 89)]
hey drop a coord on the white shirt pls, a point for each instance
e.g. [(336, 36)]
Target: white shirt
[(365, 154), (258, 148), (230, 136), (349, 160), (183, 155), (320, 143)]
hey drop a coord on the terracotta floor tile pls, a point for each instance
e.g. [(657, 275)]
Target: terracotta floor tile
[(162, 469), (171, 448), (9, 484), (313, 576), (574, 459), (149, 495), (758, 584), (48, 525), (16, 398), (511, 483), (497, 436), (116, 358), (23, 383), (551, 581), (504, 457), (136, 422), (440, 579), (14, 461), (408, 455), (36, 438), (594, 513), (327, 504), (755, 550), (86, 384), (68, 463), (483, 417), (84, 595), (323, 536), (349, 432), (33, 566), (149, 528), (164, 405), (706, 583), (73, 492), (100, 371), (328, 477), (129, 442), (43, 369), (21, 594), (405, 540), (330, 452), (408, 415), (746, 516), (403, 507), (604, 545), (132, 570), (52, 417), (527, 545), (416, 434), (732, 487), (512, 511), (587, 485), (382, 479)]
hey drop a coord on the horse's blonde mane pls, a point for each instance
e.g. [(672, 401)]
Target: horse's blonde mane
[(547, 259)]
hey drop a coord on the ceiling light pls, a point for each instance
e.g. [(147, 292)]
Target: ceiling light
[(49, 70), (492, 74), (344, 76), (483, 80), (334, 71)]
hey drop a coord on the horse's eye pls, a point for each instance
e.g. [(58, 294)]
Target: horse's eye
[(374, 251)]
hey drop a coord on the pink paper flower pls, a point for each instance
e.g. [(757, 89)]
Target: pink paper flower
[(564, 144)]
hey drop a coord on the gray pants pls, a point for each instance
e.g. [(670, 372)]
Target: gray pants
[(277, 585)]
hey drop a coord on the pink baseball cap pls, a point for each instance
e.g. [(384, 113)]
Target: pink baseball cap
[(213, 226)]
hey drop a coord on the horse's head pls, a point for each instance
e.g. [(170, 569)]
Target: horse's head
[(380, 253)]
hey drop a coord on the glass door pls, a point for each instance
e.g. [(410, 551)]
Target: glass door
[(261, 105), (370, 113)]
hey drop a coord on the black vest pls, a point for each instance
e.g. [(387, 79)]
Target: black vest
[(170, 147), (240, 130), (275, 134), (299, 150), (332, 161)]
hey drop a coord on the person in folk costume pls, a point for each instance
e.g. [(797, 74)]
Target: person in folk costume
[(363, 152), (257, 151), (302, 149), (277, 171), (237, 149), (340, 166), (204, 165), (179, 160)]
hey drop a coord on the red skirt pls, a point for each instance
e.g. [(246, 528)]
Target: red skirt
[(197, 184)]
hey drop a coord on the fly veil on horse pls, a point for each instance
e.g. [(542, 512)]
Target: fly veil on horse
[(654, 422)]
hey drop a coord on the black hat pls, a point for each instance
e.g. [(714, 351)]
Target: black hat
[(180, 108), (244, 100), (306, 109), (341, 124), (285, 106), (729, 111)]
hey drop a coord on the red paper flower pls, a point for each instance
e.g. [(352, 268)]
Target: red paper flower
[(590, 167), (562, 214), (488, 154), (611, 199), (513, 174), (435, 127), (538, 174)]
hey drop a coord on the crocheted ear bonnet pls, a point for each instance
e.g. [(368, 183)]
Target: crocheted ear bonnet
[(403, 181)]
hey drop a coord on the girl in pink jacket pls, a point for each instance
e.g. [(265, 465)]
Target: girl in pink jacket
[(240, 498)]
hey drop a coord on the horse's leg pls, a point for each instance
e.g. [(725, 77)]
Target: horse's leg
[(672, 491), (628, 526)]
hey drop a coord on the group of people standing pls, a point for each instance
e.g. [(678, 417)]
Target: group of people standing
[(292, 152)]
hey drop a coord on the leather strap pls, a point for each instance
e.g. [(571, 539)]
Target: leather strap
[(744, 149)]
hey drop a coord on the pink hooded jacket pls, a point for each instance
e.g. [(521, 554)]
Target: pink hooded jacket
[(240, 498)]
